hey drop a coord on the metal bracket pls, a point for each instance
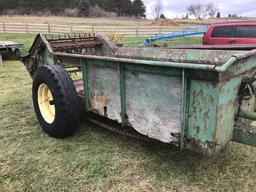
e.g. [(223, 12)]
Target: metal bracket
[(245, 134), (247, 115)]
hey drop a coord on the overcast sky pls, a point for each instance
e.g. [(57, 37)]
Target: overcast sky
[(174, 8)]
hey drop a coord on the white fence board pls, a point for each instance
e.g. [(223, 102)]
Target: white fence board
[(56, 28)]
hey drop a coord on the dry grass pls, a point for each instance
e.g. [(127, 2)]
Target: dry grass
[(108, 21), (164, 22)]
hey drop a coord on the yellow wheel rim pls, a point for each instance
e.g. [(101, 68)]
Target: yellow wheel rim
[(46, 103)]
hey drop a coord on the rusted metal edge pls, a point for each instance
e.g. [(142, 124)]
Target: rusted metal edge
[(245, 134), (140, 62), (220, 69), (226, 65), (127, 131), (184, 109), (210, 57), (246, 54), (42, 39), (84, 66), (104, 38), (234, 59), (46, 42)]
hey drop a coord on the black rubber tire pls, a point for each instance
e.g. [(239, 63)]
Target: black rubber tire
[(65, 98), (17, 54), (254, 87), (254, 91)]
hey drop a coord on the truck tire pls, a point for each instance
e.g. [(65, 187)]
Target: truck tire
[(55, 101), (254, 88)]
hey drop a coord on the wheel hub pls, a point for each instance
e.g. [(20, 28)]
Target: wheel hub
[(46, 103)]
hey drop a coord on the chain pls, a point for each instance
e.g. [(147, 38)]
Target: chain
[(122, 131)]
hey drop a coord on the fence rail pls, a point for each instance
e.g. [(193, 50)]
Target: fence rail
[(125, 30)]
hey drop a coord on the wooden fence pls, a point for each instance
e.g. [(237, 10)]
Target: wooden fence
[(54, 28)]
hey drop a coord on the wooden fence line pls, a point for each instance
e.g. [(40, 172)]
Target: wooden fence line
[(28, 28)]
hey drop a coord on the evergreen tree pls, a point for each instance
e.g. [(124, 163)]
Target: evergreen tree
[(218, 15), (138, 9), (56, 7), (84, 8), (162, 16)]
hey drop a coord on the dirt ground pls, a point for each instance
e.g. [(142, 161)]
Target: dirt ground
[(165, 22)]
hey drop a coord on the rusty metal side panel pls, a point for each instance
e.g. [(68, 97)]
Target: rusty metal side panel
[(245, 134), (154, 105), (211, 115), (246, 67), (202, 112), (226, 111), (104, 90)]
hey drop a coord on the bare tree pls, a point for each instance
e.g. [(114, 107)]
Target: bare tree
[(195, 10), (157, 9), (201, 11), (212, 9)]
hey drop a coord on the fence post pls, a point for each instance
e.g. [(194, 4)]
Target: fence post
[(49, 28), (137, 31), (71, 29), (160, 30), (92, 28), (26, 28), (4, 27)]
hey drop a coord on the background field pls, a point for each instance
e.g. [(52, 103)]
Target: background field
[(140, 29), (98, 160), (125, 26), (69, 20), (107, 21)]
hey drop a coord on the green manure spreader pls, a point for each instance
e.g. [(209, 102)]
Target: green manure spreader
[(198, 98)]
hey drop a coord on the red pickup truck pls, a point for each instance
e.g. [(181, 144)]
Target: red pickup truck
[(231, 33)]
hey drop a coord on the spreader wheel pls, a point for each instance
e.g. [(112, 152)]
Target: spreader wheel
[(55, 101)]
